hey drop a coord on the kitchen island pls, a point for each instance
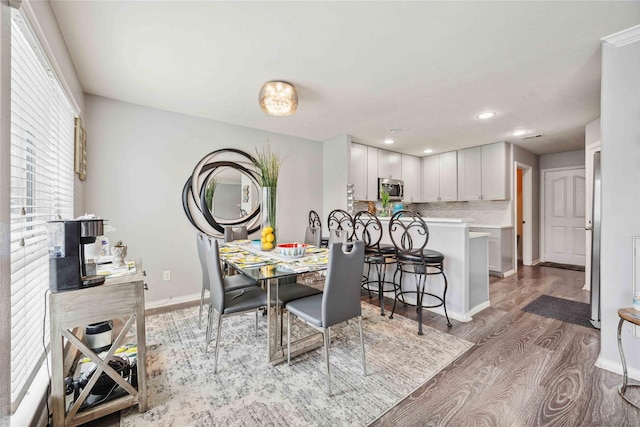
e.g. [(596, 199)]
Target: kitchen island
[(465, 265)]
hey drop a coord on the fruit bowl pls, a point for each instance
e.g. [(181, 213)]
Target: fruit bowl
[(292, 250)]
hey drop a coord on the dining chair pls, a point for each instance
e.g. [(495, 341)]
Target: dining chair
[(339, 302), (410, 235), (237, 281), (314, 222), (337, 236), (227, 302), (341, 220), (313, 236), (368, 228), (235, 233)]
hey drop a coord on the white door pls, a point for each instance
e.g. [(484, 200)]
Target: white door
[(564, 210)]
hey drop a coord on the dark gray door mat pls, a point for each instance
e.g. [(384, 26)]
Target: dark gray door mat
[(562, 266), (561, 309)]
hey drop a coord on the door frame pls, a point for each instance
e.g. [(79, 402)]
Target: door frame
[(589, 151), (543, 222), (527, 214)]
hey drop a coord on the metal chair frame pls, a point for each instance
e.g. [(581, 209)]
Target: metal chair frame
[(410, 238), (368, 228), (341, 220)]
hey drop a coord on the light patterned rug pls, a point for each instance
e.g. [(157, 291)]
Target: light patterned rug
[(247, 391)]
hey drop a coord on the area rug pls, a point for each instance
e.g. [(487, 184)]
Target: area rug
[(562, 266), (566, 310), (247, 391)]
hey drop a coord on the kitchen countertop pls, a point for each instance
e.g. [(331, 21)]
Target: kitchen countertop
[(475, 234), (489, 226), (433, 219)]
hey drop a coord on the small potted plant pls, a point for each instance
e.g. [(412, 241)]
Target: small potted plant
[(119, 252)]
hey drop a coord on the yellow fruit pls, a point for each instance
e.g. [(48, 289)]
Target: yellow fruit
[(263, 232), (269, 237), (263, 240), (267, 230), (267, 246)]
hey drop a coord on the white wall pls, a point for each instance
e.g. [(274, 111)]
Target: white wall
[(523, 156), (560, 160), (138, 161), (620, 195), (592, 132), (336, 165)]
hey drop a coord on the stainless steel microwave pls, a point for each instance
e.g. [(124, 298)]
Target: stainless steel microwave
[(394, 187)]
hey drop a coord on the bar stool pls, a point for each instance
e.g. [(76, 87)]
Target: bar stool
[(632, 316), (341, 220), (410, 234), (367, 227)]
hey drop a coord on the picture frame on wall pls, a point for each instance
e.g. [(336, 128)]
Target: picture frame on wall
[(80, 166)]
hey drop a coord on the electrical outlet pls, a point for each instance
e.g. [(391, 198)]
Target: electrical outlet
[(166, 275)]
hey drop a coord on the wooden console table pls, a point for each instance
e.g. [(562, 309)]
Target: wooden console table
[(121, 297), (632, 316)]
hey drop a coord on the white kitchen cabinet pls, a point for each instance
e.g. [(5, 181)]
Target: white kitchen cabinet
[(500, 256), (483, 173), (440, 177), (363, 172), (411, 177), (358, 171), (389, 164)]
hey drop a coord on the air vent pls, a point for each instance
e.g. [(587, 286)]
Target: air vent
[(533, 136)]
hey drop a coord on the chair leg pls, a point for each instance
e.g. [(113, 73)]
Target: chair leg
[(257, 310), (420, 284), (444, 295), (364, 363), (288, 338), (327, 341), (367, 280), (209, 325), (215, 362), (201, 305), (379, 268)]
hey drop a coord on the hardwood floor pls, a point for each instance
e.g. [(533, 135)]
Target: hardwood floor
[(524, 369)]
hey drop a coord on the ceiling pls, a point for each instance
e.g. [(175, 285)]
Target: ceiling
[(360, 68)]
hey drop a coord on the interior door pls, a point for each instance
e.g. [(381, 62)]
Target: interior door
[(564, 216)]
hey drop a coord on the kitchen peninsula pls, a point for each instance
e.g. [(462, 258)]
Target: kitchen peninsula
[(465, 265)]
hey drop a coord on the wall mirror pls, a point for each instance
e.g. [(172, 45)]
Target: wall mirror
[(223, 190)]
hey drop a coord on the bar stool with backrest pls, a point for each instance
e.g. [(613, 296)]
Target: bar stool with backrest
[(339, 302), (341, 220), (410, 234), (227, 302), (367, 227), (231, 283)]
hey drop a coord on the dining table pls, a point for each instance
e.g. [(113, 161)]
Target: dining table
[(270, 268)]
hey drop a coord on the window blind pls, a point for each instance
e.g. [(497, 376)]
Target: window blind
[(42, 149)]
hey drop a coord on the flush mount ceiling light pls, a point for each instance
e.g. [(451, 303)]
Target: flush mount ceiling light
[(388, 141), (519, 132), (428, 151), (278, 98), (486, 115)]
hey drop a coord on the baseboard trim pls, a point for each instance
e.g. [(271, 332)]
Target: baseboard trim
[(478, 308), (170, 303), (508, 273), (616, 367), (536, 262)]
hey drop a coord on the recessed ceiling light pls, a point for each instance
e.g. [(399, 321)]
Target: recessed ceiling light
[(428, 151), (486, 115), (388, 141), (519, 132), (394, 130)]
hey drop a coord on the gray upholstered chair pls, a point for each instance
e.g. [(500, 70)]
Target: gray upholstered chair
[(230, 283), (314, 222), (235, 233), (313, 236), (339, 302), (227, 302)]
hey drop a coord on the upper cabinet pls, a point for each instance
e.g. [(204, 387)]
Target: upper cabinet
[(389, 164), (440, 177), (363, 173), (482, 173), (411, 177)]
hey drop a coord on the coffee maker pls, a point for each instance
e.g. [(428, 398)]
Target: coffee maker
[(67, 268)]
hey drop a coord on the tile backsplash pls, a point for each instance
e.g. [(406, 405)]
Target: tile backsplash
[(482, 212)]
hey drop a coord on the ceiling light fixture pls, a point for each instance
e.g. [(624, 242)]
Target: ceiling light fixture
[(394, 130), (388, 141), (278, 98), (519, 132), (486, 115), (428, 151)]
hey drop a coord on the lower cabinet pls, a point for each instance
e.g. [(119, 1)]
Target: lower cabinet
[(500, 257)]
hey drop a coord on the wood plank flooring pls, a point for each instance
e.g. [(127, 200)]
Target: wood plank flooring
[(524, 369)]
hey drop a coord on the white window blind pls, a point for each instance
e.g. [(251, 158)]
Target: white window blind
[(42, 147)]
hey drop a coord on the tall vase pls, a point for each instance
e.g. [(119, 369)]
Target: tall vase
[(269, 201)]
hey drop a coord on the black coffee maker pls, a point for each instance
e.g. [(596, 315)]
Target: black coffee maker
[(67, 269)]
